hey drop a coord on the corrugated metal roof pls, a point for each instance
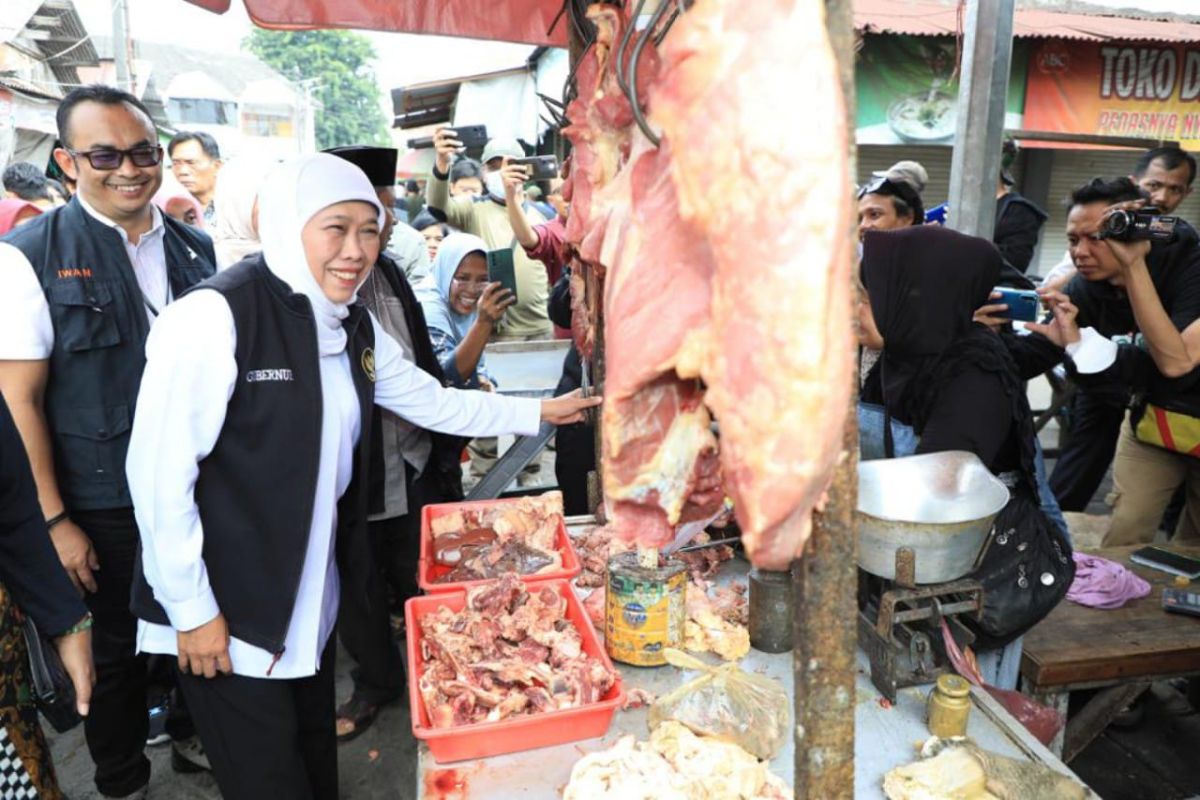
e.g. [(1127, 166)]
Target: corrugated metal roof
[(67, 44), (933, 19), (30, 89)]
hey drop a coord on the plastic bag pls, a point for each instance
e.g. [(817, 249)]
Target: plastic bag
[(749, 710), (1043, 722)]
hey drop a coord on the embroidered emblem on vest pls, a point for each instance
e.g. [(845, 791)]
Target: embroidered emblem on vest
[(368, 364), (260, 375)]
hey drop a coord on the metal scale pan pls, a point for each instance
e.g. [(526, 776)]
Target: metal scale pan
[(940, 506)]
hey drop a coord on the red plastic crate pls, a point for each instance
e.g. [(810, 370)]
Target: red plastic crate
[(527, 732), (428, 571)]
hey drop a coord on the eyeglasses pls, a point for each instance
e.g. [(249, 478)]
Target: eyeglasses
[(110, 158), (476, 282)]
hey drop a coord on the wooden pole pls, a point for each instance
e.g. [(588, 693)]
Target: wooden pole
[(824, 581)]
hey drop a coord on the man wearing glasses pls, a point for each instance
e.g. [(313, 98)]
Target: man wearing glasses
[(80, 287)]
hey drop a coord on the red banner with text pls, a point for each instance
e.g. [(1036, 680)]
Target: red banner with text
[(1144, 90)]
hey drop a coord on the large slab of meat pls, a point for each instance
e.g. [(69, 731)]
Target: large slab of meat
[(724, 258), (509, 652)]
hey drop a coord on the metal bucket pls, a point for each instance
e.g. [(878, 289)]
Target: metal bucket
[(939, 505)]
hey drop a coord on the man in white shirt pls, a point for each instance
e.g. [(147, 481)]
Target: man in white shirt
[(79, 288)]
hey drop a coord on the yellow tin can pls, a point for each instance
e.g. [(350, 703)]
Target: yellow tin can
[(949, 706), (644, 610)]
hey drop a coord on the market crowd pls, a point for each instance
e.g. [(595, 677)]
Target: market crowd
[(944, 367), (305, 350)]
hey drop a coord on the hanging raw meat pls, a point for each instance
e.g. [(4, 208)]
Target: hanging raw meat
[(725, 263)]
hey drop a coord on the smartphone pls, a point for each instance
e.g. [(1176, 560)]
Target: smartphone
[(502, 270), (541, 168), (1023, 304), (1165, 560), (471, 136)]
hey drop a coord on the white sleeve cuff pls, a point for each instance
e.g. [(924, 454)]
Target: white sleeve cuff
[(1092, 353), (529, 416), (187, 615)]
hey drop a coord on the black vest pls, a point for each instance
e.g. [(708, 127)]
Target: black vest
[(255, 490), (100, 330)]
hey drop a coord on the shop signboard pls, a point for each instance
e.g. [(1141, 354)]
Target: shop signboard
[(1145, 90), (907, 89)]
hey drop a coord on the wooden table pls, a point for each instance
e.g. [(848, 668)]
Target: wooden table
[(1120, 650)]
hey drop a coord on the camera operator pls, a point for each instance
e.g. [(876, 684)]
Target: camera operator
[(1165, 175), (1152, 289)]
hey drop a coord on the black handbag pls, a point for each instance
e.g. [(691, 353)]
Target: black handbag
[(1025, 569), (53, 690)]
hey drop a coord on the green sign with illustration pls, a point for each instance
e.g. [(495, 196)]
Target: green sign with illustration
[(908, 89)]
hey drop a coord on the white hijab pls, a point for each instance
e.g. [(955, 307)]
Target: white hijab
[(238, 184), (290, 196)]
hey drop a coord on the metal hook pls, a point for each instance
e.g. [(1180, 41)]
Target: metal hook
[(633, 62), (619, 55), (658, 37)]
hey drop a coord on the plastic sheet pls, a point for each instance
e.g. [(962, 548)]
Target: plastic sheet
[(749, 710)]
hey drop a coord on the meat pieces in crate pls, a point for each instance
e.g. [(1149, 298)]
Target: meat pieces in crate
[(463, 544), (504, 667)]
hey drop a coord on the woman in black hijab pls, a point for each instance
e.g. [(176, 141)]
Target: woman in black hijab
[(949, 378), (956, 383)]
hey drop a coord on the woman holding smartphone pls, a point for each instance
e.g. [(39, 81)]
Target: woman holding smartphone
[(249, 463), (462, 307)]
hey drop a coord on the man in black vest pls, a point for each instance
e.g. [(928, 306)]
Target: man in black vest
[(80, 287), (418, 467)]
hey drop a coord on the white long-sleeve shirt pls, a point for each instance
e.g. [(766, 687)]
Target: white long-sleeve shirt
[(190, 375), (26, 331)]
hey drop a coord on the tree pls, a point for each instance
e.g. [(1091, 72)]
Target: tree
[(340, 62)]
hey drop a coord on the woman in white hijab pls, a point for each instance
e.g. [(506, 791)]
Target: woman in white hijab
[(247, 465), (235, 203)]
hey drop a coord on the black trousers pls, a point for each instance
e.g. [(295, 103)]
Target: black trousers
[(366, 633), (1089, 451), (268, 738), (574, 458), (117, 724)]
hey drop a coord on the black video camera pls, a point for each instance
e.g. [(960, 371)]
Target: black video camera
[(1138, 225)]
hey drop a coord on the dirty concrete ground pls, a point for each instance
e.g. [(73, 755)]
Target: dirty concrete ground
[(378, 765)]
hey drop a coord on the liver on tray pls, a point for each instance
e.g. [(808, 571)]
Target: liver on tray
[(428, 571)]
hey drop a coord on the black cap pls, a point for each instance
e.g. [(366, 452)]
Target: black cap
[(379, 163)]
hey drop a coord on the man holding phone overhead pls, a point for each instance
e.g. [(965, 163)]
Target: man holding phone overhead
[(545, 242), (487, 218)]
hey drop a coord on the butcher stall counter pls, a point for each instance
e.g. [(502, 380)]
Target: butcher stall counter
[(886, 736)]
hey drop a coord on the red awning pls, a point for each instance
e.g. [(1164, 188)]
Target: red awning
[(511, 20)]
